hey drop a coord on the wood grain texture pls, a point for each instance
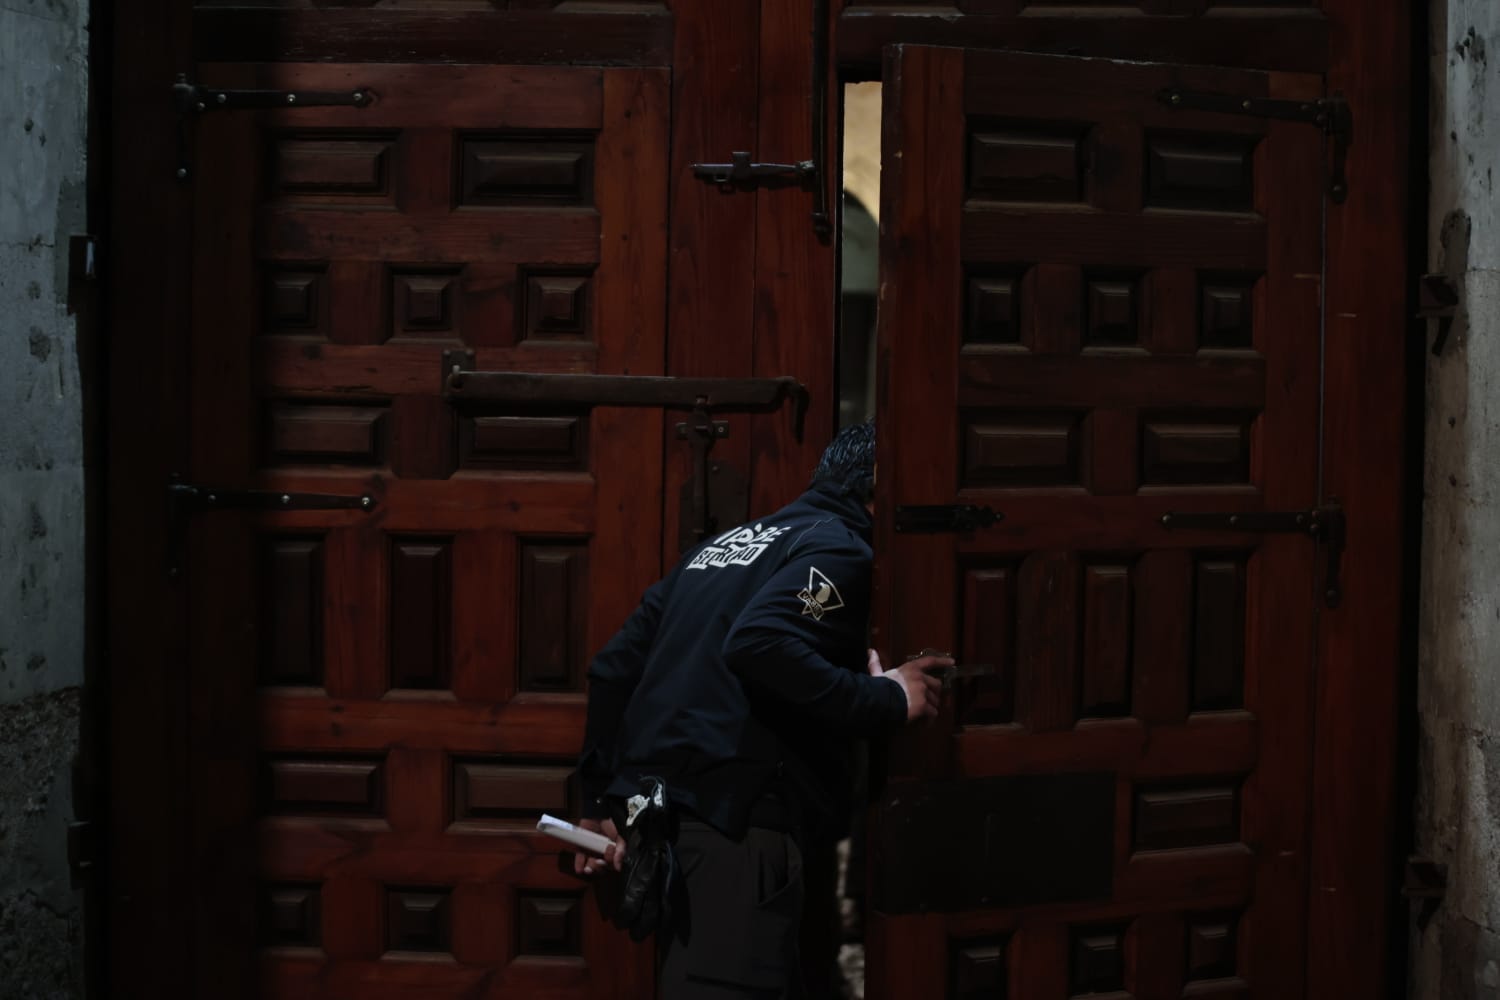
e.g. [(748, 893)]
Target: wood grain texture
[(711, 248), (637, 38), (1166, 659), (1352, 862)]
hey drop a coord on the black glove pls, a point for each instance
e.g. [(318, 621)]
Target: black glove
[(650, 875)]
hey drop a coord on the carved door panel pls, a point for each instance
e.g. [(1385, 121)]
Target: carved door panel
[(386, 697), (1097, 309)]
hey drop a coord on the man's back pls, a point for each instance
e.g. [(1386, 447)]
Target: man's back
[(739, 666)]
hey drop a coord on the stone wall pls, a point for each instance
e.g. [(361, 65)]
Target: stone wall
[(1456, 954), (43, 119)]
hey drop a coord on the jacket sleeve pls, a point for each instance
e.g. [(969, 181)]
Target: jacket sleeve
[(613, 676), (806, 619)]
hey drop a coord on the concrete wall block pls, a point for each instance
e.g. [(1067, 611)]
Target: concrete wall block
[(1457, 955), (41, 930)]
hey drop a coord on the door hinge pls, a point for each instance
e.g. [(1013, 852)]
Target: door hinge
[(194, 99), (1331, 114), (84, 845), (187, 499), (1325, 525), (1438, 298), (1425, 881), (931, 519), (716, 496)]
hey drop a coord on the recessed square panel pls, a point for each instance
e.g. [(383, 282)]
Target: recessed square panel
[(291, 915), (425, 302), (554, 305), (1200, 171), (1026, 161), (324, 786), (989, 637), (1096, 960), (512, 789), (1211, 949), (539, 169), (338, 165), (291, 607), (549, 923), (978, 968), (1218, 666), (992, 309), (1108, 603), (421, 612), (294, 298), (1111, 310), (418, 919), (1195, 449), (325, 433), (556, 443), (552, 614), (1021, 449), (1226, 312), (1171, 817)]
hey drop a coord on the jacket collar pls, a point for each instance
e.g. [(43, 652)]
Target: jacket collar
[(844, 506)]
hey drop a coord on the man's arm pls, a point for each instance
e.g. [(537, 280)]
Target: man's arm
[(613, 677), (813, 609)]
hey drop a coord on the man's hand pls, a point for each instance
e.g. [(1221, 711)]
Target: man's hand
[(614, 854), (922, 690)]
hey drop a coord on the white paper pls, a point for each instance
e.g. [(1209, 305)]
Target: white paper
[(588, 840)]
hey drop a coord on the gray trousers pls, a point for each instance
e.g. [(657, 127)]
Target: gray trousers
[(738, 936)]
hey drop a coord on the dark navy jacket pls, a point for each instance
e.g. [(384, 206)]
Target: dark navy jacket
[(744, 670)]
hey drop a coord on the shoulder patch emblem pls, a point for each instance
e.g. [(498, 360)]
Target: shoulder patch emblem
[(820, 596)]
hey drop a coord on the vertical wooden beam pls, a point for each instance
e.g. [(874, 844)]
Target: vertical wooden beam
[(795, 289), (711, 260), (146, 254), (1353, 868)]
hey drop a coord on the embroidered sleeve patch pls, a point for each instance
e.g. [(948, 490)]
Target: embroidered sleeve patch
[(820, 596), (739, 547)]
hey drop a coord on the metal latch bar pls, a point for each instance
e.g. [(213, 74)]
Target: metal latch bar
[(1331, 114), (931, 519), (461, 384), (740, 171), (1325, 525)]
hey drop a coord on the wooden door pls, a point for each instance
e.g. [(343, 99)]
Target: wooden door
[(383, 699), (1098, 309)]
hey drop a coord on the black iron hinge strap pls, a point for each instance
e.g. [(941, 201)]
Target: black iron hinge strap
[(956, 518), (1331, 114), (187, 499), (1325, 525), (192, 97)]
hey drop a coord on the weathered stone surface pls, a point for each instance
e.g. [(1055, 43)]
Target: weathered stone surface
[(1456, 956), (41, 934)]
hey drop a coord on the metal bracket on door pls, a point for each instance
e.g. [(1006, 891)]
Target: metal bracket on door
[(187, 499), (1324, 525), (956, 518), (741, 173), (194, 99), (1331, 114), (716, 495)]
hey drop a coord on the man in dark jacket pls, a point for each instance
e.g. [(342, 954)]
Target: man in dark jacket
[(739, 682)]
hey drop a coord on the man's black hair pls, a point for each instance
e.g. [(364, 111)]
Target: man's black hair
[(848, 463)]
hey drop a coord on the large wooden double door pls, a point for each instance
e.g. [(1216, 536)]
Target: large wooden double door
[(334, 726)]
